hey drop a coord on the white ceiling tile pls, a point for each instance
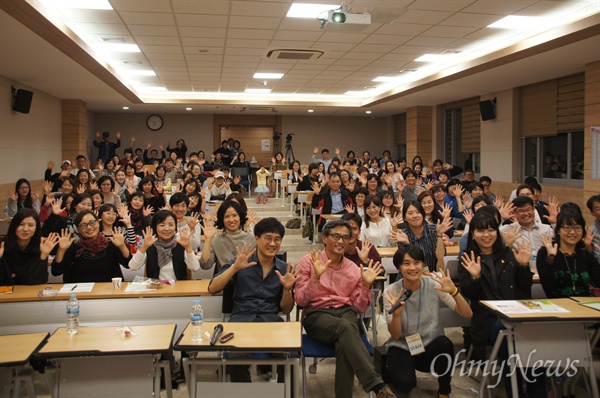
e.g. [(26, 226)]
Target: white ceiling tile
[(178, 87), (498, 7), (200, 7), (259, 8), (147, 30), (253, 22), (202, 32), (261, 34), (204, 50), (171, 69), (436, 5), (243, 43), (141, 5), (197, 73), (465, 19), (335, 37), (403, 29), (423, 17), (374, 48), (204, 64), (203, 57), (340, 47), (428, 41), (158, 40), (203, 42), (241, 58), (297, 35), (395, 40), (197, 20), (449, 31), (414, 50), (399, 57), (288, 44), (160, 56), (92, 16), (542, 7), (363, 56), (300, 24), (148, 18), (103, 29), (147, 49), (167, 62)]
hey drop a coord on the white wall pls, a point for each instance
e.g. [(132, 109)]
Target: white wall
[(347, 133), (196, 130), (500, 141), (28, 141)]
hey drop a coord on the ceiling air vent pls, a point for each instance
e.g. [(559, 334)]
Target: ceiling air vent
[(294, 54)]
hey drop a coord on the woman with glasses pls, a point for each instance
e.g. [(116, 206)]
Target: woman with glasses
[(94, 258), (165, 255), (220, 249), (106, 185), (23, 198), (565, 267)]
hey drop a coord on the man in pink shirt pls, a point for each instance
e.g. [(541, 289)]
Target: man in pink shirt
[(333, 291)]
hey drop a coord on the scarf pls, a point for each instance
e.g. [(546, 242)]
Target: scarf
[(165, 252), (92, 246)]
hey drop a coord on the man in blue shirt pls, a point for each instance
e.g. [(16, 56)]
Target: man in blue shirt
[(263, 283)]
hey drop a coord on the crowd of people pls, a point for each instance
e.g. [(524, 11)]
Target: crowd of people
[(90, 222)]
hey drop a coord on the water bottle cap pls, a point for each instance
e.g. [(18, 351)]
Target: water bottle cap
[(196, 301), (73, 295)]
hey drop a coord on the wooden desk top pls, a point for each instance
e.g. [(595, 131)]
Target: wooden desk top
[(331, 216), (586, 299), (390, 251), (576, 312), (107, 340), (249, 336), (15, 349), (104, 290)]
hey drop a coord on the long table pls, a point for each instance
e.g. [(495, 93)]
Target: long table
[(102, 360), (24, 311), (552, 337), (15, 351), (265, 337)]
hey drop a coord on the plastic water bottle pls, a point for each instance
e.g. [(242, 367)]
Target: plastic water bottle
[(196, 318), (73, 314), (5, 212)]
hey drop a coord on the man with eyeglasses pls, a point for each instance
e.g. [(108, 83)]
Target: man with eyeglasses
[(333, 291), (526, 228), (263, 283)]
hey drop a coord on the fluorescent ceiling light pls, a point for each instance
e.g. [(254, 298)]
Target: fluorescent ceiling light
[(517, 22), (82, 4), (258, 90), (386, 79), (268, 75), (140, 72), (434, 57), (152, 88), (122, 48), (302, 10)]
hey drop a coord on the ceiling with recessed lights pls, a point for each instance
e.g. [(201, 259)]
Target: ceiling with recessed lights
[(216, 53)]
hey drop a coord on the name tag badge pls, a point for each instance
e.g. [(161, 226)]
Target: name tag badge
[(415, 344)]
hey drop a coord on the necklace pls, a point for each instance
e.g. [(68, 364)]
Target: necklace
[(569, 269)]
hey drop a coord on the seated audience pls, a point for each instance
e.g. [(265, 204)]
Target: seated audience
[(23, 198)]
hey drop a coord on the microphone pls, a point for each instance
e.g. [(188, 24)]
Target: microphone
[(405, 296), (216, 334)]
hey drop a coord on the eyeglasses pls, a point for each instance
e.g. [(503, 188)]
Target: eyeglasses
[(269, 239), (87, 225), (337, 237), (525, 210), (571, 228)]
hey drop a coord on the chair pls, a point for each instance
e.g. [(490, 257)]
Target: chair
[(312, 348), (243, 172)]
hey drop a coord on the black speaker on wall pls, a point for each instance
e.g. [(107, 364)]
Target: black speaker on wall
[(21, 100), (487, 109)]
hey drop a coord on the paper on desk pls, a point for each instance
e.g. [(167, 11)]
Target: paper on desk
[(76, 287), (525, 306), (595, 305), (138, 287)]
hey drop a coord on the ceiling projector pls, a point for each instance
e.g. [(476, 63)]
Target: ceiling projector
[(346, 17)]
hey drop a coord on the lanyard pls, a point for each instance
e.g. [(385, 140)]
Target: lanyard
[(406, 310)]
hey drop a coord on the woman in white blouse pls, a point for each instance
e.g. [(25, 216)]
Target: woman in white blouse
[(377, 228)]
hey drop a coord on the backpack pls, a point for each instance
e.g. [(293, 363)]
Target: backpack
[(308, 230), (293, 223)]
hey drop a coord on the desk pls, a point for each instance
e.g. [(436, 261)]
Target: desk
[(528, 332), (24, 312), (15, 351), (282, 338), (303, 197), (100, 359)]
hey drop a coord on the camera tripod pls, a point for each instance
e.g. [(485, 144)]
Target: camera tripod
[(289, 153)]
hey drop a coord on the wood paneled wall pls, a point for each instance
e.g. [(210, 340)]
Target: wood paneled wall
[(74, 129), (592, 118), (419, 132), (399, 121), (251, 139)]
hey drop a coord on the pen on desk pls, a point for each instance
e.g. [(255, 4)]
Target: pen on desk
[(74, 287)]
